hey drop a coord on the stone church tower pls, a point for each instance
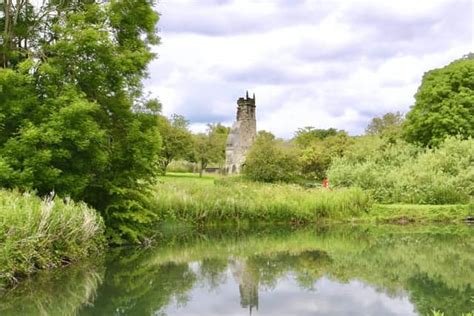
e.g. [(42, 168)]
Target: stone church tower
[(242, 135)]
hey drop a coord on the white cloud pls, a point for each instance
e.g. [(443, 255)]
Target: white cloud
[(310, 63)]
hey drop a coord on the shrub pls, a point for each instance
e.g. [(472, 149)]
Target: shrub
[(401, 172), (270, 160), (316, 158)]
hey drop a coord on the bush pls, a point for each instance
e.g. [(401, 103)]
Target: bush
[(316, 158), (270, 160), (404, 173), (40, 234)]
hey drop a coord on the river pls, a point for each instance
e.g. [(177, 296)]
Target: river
[(337, 270)]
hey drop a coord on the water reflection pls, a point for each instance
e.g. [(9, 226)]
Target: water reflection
[(62, 292), (332, 271)]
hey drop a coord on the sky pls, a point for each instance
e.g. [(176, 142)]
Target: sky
[(320, 63)]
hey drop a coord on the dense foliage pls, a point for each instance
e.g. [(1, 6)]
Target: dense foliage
[(388, 126), (402, 172), (37, 234), (177, 140), (209, 147), (444, 104), (308, 135), (271, 160), (73, 120), (318, 155)]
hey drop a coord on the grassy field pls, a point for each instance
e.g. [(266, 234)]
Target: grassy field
[(212, 198), (41, 234)]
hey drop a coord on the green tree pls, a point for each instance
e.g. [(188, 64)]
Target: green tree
[(73, 120), (271, 160), (316, 158), (177, 140), (388, 126), (218, 135), (306, 135), (209, 147), (444, 104)]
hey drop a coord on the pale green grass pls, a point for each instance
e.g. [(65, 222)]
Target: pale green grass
[(186, 197), (419, 213), (213, 198)]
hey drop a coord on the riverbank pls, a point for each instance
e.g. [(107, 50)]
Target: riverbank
[(40, 234)]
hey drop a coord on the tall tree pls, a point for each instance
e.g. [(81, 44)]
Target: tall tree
[(73, 116), (444, 104), (317, 157)]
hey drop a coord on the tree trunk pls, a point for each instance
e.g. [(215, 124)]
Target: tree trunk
[(6, 32), (203, 166), (166, 162)]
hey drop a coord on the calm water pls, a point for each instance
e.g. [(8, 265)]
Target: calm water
[(390, 270)]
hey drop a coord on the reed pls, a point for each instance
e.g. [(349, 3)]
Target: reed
[(44, 233)]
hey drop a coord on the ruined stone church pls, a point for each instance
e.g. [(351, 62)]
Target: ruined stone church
[(242, 135)]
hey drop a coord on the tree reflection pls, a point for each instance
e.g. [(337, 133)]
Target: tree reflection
[(133, 287), (434, 268)]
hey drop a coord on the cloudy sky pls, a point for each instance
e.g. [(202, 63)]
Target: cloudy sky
[(321, 63)]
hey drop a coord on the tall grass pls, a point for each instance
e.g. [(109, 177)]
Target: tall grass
[(41, 234), (202, 201)]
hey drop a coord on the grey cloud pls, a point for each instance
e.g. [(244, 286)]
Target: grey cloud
[(205, 117), (209, 102), (211, 18), (266, 75), (280, 74)]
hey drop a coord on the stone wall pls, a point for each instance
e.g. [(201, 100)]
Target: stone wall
[(242, 134)]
